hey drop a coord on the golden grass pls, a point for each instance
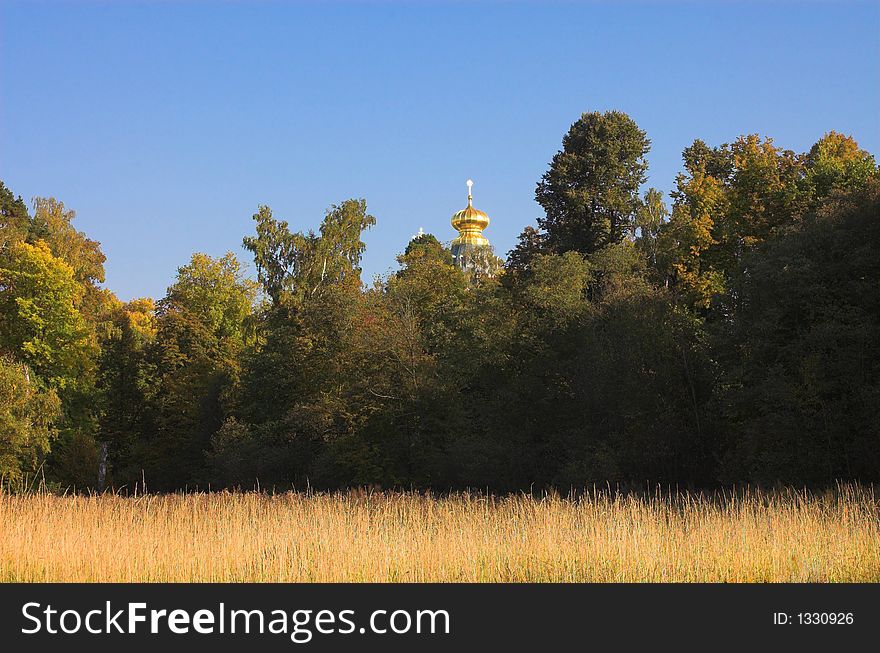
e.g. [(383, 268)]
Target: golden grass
[(407, 537)]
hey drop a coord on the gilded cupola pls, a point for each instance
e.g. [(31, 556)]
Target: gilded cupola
[(469, 222)]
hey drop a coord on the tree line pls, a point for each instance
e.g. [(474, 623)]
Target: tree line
[(728, 334)]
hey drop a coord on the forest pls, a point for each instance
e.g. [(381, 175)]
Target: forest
[(728, 333)]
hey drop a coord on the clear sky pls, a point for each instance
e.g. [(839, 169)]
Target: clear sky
[(165, 124)]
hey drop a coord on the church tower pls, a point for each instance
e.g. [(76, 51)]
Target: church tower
[(471, 243)]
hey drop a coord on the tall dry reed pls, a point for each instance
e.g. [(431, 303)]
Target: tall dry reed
[(600, 537)]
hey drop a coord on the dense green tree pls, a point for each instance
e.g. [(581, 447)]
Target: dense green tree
[(390, 374), (733, 198), (685, 243), (431, 290), (293, 383), (836, 163), (413, 369), (558, 287), (277, 253), (53, 224), (126, 386), (296, 382), (218, 295), (651, 217), (40, 324), (530, 243), (590, 194), (14, 217), (731, 338), (802, 384), (27, 416), (426, 245), (729, 200), (202, 326), (601, 379), (297, 265)]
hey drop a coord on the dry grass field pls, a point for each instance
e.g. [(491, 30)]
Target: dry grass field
[(407, 537)]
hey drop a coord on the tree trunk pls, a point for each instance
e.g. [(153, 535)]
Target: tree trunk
[(102, 467)]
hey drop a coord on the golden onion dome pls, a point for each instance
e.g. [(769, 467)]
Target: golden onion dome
[(470, 222)]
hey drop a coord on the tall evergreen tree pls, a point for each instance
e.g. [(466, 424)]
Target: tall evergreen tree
[(590, 194)]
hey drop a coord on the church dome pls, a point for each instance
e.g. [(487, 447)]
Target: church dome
[(470, 222)]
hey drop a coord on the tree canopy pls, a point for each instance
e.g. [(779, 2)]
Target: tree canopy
[(590, 193), (727, 333)]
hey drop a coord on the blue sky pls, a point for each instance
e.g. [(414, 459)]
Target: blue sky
[(165, 124)]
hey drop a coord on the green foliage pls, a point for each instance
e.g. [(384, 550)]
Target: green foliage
[(27, 416), (430, 291), (733, 198), (126, 384), (686, 243), (216, 292), (14, 217), (39, 321), (836, 163), (52, 223), (202, 327), (293, 266), (299, 388), (558, 286), (530, 243), (425, 245), (651, 217), (801, 392), (590, 194), (730, 338), (277, 253), (54, 318), (601, 379)]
